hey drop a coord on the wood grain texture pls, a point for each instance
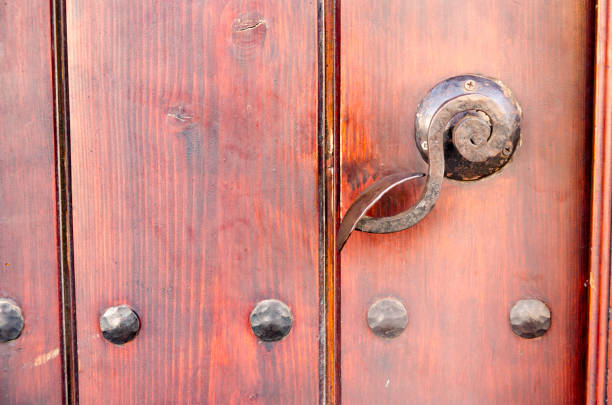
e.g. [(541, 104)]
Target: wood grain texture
[(194, 157), (30, 366), (599, 356), (520, 234)]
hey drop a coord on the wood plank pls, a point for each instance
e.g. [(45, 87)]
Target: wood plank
[(30, 366), (599, 356), (520, 234), (194, 156)]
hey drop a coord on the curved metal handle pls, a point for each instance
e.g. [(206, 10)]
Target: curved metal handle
[(474, 117), (367, 199)]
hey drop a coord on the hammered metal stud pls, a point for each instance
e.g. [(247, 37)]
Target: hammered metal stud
[(119, 324), (387, 318), (11, 320), (271, 320), (530, 318)]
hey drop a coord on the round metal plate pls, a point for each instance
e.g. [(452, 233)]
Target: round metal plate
[(457, 166)]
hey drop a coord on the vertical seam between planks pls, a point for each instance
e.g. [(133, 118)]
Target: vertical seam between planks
[(328, 24), (64, 202), (322, 363)]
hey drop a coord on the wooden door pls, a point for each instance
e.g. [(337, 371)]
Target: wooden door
[(169, 167), (522, 233)]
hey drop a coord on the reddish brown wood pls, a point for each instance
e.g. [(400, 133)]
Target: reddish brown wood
[(30, 367), (194, 157), (520, 234), (599, 283), (329, 158)]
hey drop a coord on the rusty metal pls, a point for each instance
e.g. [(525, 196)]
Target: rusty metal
[(271, 320), (439, 123), (11, 320), (530, 318), (464, 158), (387, 318), (367, 199), (431, 192), (471, 135), (467, 127), (119, 324)]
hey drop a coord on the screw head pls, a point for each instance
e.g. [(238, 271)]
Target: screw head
[(470, 85), (119, 324), (11, 320), (508, 147), (387, 318), (530, 318), (271, 320)]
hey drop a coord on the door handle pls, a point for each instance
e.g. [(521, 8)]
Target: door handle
[(467, 127)]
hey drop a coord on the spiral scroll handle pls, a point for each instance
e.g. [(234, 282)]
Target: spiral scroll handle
[(481, 129)]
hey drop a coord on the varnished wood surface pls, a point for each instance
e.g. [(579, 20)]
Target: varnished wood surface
[(523, 233), (599, 356), (30, 367), (329, 161), (194, 163)]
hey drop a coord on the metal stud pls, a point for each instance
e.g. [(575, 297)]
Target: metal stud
[(387, 318), (119, 324), (530, 318), (271, 320), (11, 320)]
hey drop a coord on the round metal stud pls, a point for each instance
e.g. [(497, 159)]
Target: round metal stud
[(271, 320), (11, 320), (119, 324), (530, 318), (387, 318)]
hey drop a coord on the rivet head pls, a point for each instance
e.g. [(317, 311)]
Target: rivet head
[(387, 318), (271, 320), (119, 324), (11, 320), (530, 318)]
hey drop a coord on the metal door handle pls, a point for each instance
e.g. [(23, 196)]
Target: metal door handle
[(466, 127)]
